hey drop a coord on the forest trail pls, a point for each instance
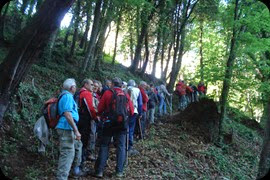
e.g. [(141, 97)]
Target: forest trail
[(175, 150)]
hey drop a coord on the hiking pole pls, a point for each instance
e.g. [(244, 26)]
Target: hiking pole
[(171, 103), (127, 145), (167, 101), (140, 127)]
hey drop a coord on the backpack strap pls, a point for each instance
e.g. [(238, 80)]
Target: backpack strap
[(60, 96)]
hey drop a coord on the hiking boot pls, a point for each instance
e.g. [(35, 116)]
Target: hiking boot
[(119, 174), (133, 152), (98, 174), (92, 158), (77, 172)]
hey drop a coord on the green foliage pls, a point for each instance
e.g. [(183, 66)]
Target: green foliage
[(32, 173)]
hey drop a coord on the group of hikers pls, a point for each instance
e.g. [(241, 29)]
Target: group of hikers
[(117, 112)]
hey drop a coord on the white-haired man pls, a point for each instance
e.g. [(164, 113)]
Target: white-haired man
[(69, 136)]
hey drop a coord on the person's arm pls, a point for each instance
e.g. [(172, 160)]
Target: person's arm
[(103, 102), (165, 90), (140, 103), (71, 122), (89, 100)]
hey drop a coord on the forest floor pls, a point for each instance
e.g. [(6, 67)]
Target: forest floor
[(173, 150)]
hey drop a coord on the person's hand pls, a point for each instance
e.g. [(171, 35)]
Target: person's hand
[(77, 135), (98, 119)]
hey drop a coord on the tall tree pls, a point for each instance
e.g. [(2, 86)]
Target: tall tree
[(146, 53), (93, 38), (87, 25), (2, 24), (264, 164), (76, 28), (118, 23), (30, 42), (183, 11), (146, 17), (230, 62), (2, 3), (68, 31)]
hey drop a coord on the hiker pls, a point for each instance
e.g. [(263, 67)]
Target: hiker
[(201, 88), (153, 101), (124, 86), (96, 132), (189, 92), (115, 125), (99, 87), (142, 88), (87, 115), (136, 98), (108, 84), (93, 127), (69, 136), (162, 92), (194, 97), (181, 92)]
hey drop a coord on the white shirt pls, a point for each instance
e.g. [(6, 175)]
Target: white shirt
[(134, 95)]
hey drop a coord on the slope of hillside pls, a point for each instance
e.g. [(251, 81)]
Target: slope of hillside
[(172, 150)]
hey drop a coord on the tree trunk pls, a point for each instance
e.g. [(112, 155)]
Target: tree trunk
[(177, 65), (2, 24), (229, 68), (30, 42), (68, 31), (156, 54), (167, 63), (89, 54), (146, 54), (100, 45), (264, 164), (39, 2), (87, 26), (145, 22), (162, 58), (201, 51), (116, 36), (131, 44), (76, 28), (2, 3), (46, 55)]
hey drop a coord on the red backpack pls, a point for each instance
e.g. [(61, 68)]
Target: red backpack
[(118, 113), (50, 111)]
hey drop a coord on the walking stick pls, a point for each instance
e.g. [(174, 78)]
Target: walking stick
[(171, 104), (140, 127), (127, 145)]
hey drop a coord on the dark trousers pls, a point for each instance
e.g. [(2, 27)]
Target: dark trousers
[(132, 124), (84, 127), (120, 138)]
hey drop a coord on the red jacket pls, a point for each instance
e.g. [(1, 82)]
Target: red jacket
[(144, 99), (105, 101), (181, 88), (189, 90), (201, 88), (87, 95)]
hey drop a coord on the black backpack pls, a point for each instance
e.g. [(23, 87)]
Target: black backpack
[(82, 107), (118, 113)]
